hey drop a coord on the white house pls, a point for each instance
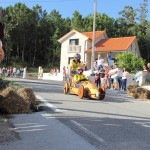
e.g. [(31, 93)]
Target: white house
[(81, 42)]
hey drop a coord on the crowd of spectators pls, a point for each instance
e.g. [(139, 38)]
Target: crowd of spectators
[(11, 72), (114, 77)]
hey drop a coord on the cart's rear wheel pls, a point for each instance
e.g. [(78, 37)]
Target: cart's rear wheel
[(81, 91), (102, 94), (66, 88)]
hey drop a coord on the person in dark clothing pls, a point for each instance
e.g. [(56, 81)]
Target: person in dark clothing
[(102, 75), (97, 79), (148, 68)]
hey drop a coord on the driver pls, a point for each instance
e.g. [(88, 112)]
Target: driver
[(79, 77)]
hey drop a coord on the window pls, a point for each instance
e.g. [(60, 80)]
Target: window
[(74, 42)]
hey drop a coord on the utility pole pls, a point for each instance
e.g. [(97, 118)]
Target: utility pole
[(93, 41)]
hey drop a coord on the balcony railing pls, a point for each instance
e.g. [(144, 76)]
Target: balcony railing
[(74, 49)]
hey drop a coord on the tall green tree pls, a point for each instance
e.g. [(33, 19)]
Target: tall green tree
[(77, 21)]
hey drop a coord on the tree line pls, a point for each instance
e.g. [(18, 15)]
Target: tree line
[(30, 35)]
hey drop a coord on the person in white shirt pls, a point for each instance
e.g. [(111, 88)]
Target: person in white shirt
[(111, 77), (115, 75), (100, 62), (124, 79)]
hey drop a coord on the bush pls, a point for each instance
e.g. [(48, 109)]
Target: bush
[(129, 61)]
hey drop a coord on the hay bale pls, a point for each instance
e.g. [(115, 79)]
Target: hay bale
[(1, 98), (29, 96), (142, 93), (13, 102), (131, 89)]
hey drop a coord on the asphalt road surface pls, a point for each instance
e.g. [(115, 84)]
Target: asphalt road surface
[(119, 122)]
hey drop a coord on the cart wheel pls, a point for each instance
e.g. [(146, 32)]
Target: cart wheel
[(102, 94), (66, 88), (81, 91)]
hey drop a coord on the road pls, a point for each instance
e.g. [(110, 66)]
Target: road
[(119, 122)]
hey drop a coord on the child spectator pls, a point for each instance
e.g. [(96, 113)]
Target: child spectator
[(137, 77)]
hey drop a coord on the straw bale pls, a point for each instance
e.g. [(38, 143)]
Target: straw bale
[(142, 93), (131, 89), (13, 102), (1, 98), (29, 96)]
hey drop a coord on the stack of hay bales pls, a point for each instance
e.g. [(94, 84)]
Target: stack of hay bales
[(142, 93), (138, 92), (12, 102), (28, 95), (131, 89)]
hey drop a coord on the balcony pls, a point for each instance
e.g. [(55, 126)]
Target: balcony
[(74, 49)]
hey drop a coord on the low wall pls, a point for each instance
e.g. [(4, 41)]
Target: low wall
[(48, 76), (59, 77), (143, 78)]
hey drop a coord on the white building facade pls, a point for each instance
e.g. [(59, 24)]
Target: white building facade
[(77, 42)]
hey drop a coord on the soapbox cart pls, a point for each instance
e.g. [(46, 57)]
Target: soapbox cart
[(86, 89)]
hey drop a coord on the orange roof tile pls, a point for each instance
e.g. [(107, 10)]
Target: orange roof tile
[(90, 34), (114, 44)]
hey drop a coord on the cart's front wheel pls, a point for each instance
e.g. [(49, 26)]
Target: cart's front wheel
[(102, 94), (81, 91), (66, 88)]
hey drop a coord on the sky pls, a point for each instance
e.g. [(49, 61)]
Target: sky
[(84, 7)]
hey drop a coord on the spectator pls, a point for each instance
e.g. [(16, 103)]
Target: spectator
[(95, 65), (64, 74), (137, 76), (120, 72), (110, 78), (0, 72), (124, 79), (102, 75), (11, 71), (21, 71), (144, 68), (109, 57), (97, 80), (18, 73), (100, 62), (148, 68), (115, 75), (106, 78), (14, 71)]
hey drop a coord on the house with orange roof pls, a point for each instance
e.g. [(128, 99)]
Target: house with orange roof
[(81, 42)]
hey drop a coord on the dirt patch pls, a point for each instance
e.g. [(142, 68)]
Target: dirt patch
[(7, 132)]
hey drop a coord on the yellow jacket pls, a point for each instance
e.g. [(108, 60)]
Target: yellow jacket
[(79, 77)]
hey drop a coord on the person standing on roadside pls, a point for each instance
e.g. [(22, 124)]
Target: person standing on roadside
[(124, 79), (120, 72), (148, 68), (100, 62), (109, 57)]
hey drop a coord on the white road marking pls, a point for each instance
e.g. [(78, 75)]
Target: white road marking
[(88, 132), (30, 130), (53, 107), (37, 126)]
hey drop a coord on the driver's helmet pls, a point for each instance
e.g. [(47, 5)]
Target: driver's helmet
[(77, 56), (80, 70)]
